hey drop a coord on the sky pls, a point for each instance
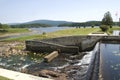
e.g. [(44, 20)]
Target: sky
[(18, 11)]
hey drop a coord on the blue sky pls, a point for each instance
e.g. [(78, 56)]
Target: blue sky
[(13, 11)]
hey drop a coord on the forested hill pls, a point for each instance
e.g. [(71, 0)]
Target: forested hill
[(82, 24), (40, 23), (31, 25), (48, 22)]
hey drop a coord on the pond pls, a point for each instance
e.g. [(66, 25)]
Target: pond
[(110, 61)]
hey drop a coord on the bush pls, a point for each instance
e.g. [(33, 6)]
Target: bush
[(44, 33), (92, 26), (104, 28), (110, 26)]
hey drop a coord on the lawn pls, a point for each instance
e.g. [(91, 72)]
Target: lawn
[(74, 31), (13, 30), (66, 32)]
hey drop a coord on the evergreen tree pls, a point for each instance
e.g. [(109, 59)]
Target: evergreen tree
[(107, 19), (0, 25)]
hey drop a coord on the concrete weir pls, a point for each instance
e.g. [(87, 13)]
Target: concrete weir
[(73, 45), (67, 44)]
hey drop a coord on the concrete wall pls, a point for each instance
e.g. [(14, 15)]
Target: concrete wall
[(67, 40), (71, 40), (111, 38), (68, 44), (40, 46)]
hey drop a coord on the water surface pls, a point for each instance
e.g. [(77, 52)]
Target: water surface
[(110, 61)]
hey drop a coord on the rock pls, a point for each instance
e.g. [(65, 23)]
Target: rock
[(24, 70), (51, 74), (74, 62), (62, 77), (69, 68), (79, 56), (14, 51)]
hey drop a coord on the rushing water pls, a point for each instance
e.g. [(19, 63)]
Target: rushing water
[(75, 66), (18, 62), (110, 61)]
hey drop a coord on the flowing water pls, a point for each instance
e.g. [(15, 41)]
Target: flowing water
[(75, 66)]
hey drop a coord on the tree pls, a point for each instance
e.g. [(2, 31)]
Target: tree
[(92, 26), (104, 28), (107, 19), (0, 25), (5, 26)]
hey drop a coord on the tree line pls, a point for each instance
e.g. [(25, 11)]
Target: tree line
[(3, 27), (35, 25), (83, 24)]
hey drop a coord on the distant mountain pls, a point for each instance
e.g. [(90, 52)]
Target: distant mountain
[(13, 23), (49, 22)]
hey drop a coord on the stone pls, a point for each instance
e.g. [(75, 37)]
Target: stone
[(24, 70), (51, 74)]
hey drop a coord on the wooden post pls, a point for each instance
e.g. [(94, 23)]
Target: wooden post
[(51, 56)]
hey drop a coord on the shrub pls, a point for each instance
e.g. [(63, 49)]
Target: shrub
[(110, 26), (104, 28), (92, 26), (44, 33)]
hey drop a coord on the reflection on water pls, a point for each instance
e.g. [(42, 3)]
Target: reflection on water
[(110, 56)]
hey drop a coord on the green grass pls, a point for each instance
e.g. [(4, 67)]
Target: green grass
[(14, 30), (27, 38), (17, 30), (67, 32), (114, 28), (3, 78), (74, 31)]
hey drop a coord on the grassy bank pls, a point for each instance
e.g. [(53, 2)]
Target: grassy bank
[(3, 78), (67, 32), (114, 28), (75, 31), (13, 30)]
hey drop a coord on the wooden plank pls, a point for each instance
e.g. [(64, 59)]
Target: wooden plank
[(51, 56)]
